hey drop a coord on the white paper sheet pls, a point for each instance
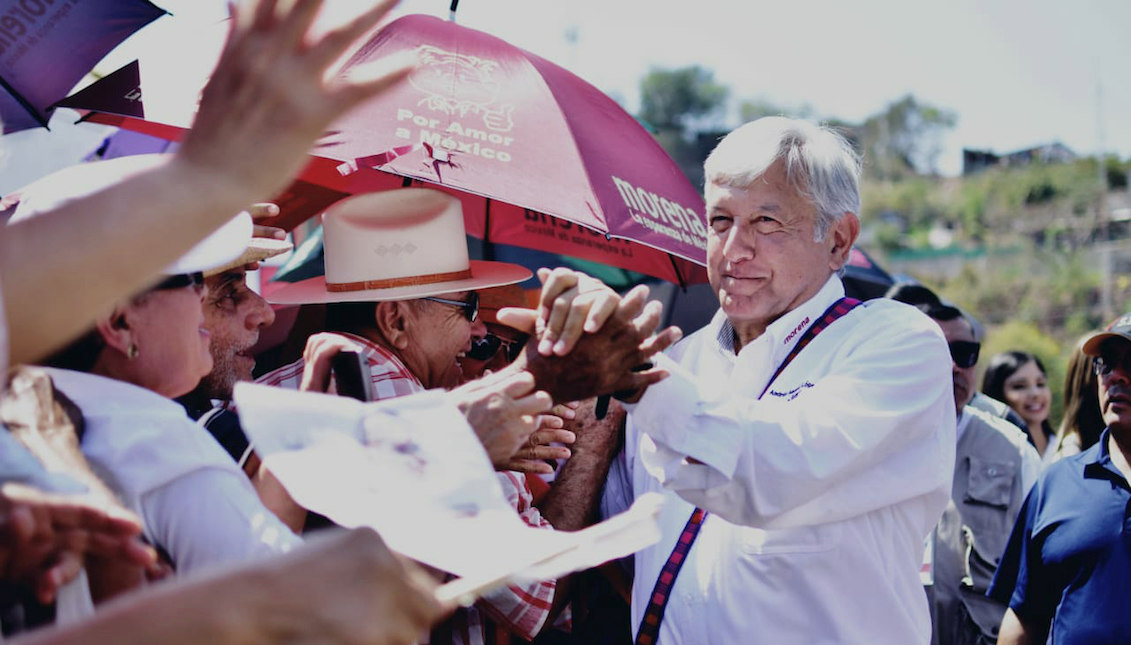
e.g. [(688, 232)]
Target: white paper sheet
[(414, 471)]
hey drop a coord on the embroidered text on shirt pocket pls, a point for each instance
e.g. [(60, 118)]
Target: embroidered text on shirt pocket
[(803, 539), (989, 482)]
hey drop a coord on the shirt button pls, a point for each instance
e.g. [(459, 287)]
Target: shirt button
[(992, 472)]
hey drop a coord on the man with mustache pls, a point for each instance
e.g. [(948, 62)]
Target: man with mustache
[(234, 315), (1065, 573)]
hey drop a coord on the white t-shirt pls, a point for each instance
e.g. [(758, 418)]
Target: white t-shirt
[(193, 500)]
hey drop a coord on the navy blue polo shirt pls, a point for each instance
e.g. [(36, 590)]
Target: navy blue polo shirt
[(1068, 561)]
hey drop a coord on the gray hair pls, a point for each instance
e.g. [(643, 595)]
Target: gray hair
[(819, 162)]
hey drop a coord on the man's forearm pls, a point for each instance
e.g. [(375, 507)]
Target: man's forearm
[(122, 236), (1018, 631), (572, 501), (202, 611)]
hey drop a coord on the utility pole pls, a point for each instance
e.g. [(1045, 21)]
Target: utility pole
[(1103, 226)]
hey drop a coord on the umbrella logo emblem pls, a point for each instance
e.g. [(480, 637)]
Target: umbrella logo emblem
[(459, 84)]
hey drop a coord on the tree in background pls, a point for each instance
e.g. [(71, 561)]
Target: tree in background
[(905, 139), (679, 104), (676, 99), (754, 109)]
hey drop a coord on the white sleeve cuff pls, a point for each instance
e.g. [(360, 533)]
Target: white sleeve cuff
[(671, 414)]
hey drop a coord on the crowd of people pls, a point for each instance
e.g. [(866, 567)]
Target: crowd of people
[(831, 470)]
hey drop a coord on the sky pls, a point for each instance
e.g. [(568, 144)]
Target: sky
[(1016, 73)]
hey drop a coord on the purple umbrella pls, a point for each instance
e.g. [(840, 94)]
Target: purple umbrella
[(47, 46)]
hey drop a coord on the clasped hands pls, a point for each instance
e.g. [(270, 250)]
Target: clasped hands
[(587, 340)]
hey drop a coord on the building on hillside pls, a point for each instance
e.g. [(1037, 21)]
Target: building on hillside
[(975, 161)]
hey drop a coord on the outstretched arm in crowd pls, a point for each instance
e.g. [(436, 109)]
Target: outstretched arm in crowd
[(345, 588), (587, 340), (571, 503), (267, 102)]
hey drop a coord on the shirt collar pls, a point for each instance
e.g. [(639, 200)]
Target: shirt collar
[(963, 421), (96, 395), (1101, 466), (385, 353), (784, 331)]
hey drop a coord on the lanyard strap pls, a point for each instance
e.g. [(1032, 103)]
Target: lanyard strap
[(661, 592)]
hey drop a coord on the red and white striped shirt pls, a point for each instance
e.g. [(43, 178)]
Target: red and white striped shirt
[(390, 376), (521, 610)]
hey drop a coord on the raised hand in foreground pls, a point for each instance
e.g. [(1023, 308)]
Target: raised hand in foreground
[(270, 98)]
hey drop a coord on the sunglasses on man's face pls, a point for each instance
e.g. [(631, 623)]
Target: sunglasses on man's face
[(470, 306), (964, 353), (484, 349), (182, 280), (1106, 364)]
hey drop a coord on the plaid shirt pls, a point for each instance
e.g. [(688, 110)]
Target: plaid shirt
[(390, 376), (520, 610)]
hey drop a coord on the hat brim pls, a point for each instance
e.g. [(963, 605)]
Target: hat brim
[(258, 250), (484, 274), (1094, 344)]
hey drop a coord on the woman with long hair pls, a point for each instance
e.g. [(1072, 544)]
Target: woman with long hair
[(1020, 380), (1083, 422)]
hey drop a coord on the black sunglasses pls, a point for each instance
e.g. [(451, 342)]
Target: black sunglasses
[(1104, 366), (470, 306), (964, 352), (484, 349), (182, 280)]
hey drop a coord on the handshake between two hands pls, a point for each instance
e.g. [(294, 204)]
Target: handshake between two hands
[(585, 341)]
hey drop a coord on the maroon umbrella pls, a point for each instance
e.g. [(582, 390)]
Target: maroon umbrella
[(539, 157), (46, 47)]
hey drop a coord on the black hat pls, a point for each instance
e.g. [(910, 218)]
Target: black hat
[(924, 300)]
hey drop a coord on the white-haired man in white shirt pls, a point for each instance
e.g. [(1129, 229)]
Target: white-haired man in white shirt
[(816, 473)]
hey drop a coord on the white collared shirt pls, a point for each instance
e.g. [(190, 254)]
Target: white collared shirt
[(820, 493), (192, 498)]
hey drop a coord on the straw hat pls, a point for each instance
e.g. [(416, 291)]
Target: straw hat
[(57, 189), (258, 250), (396, 245)]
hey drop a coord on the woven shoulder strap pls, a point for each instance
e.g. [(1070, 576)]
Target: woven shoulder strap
[(661, 592)]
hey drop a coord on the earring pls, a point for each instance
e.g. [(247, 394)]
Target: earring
[(131, 351)]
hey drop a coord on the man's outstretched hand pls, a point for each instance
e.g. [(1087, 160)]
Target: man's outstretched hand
[(273, 93), (502, 408)]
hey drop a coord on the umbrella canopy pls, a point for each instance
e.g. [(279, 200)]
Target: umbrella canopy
[(47, 46), (863, 278), (538, 157)]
